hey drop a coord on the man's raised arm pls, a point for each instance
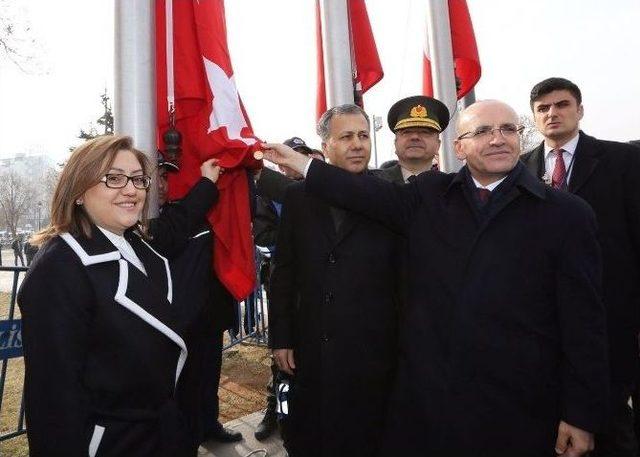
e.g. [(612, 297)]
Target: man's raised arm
[(388, 203)]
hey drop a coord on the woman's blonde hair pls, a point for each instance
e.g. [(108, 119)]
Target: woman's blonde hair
[(88, 163)]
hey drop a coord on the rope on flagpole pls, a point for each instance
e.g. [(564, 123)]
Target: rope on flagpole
[(169, 50), (172, 137)]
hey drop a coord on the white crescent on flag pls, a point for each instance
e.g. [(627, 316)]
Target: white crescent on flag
[(226, 111)]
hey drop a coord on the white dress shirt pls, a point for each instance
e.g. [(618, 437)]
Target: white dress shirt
[(550, 158), (406, 174), (125, 249), (489, 187)]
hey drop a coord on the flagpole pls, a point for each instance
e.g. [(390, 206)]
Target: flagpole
[(336, 48), (469, 99), (135, 96), (442, 72)]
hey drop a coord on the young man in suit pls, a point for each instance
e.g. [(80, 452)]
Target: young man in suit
[(416, 136), (333, 308), (606, 175), (502, 337)]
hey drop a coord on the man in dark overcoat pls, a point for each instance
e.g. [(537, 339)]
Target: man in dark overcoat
[(606, 174), (333, 308), (503, 339), (265, 234)]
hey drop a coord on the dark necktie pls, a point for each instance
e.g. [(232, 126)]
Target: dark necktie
[(559, 170), (483, 195), (411, 178)]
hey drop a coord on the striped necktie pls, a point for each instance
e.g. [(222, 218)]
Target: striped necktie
[(559, 170)]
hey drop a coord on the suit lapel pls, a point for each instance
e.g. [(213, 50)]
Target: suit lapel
[(349, 223), (396, 174), (585, 162), (535, 162), (157, 266), (148, 300), (324, 217)]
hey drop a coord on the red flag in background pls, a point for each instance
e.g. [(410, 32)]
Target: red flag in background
[(211, 118), (465, 52), (365, 60)]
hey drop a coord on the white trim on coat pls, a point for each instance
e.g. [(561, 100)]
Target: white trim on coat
[(167, 269), (85, 258), (136, 309), (120, 297), (200, 234), (96, 438)]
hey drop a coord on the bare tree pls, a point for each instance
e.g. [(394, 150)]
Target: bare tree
[(17, 42), (530, 137), (16, 196)]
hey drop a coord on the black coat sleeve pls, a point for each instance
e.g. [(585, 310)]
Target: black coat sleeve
[(171, 230), (388, 203), (56, 300), (265, 224), (272, 185), (631, 179), (283, 287), (584, 365)]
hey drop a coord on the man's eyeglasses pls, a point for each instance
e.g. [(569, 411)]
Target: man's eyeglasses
[(507, 130), (118, 181)]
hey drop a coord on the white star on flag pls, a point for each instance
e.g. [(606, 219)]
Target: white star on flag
[(226, 111)]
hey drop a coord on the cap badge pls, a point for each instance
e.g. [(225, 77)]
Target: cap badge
[(418, 111)]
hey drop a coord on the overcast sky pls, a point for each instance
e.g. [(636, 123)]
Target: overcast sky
[(272, 43)]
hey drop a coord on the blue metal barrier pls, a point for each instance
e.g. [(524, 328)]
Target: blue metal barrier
[(11, 348), (252, 312)]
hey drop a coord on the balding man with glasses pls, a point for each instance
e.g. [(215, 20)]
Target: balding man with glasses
[(503, 340)]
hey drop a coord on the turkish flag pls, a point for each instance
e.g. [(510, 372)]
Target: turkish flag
[(211, 118), (367, 68), (465, 52)]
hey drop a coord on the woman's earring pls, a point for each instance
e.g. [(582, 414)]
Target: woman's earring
[(79, 202)]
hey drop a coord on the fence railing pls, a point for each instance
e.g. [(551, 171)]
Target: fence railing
[(252, 312), (252, 326), (12, 422)]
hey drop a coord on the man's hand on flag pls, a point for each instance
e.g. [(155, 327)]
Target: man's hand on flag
[(281, 154)]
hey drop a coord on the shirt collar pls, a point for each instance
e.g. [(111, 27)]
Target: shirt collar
[(490, 186), (569, 146), (524, 179), (406, 174), (117, 240)]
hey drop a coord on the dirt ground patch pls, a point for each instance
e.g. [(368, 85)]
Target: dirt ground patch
[(245, 373)]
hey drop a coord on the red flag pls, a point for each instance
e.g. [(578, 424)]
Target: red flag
[(211, 118), (465, 52), (365, 60)]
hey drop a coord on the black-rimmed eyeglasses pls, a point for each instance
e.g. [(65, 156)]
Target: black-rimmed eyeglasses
[(118, 181), (507, 130)]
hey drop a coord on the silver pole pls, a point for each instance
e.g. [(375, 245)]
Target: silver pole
[(377, 125), (336, 48), (444, 85), (135, 87), (469, 99)]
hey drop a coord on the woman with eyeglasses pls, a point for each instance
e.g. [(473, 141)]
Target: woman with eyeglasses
[(103, 346)]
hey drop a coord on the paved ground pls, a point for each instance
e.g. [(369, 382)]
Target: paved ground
[(249, 446), (6, 277)]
